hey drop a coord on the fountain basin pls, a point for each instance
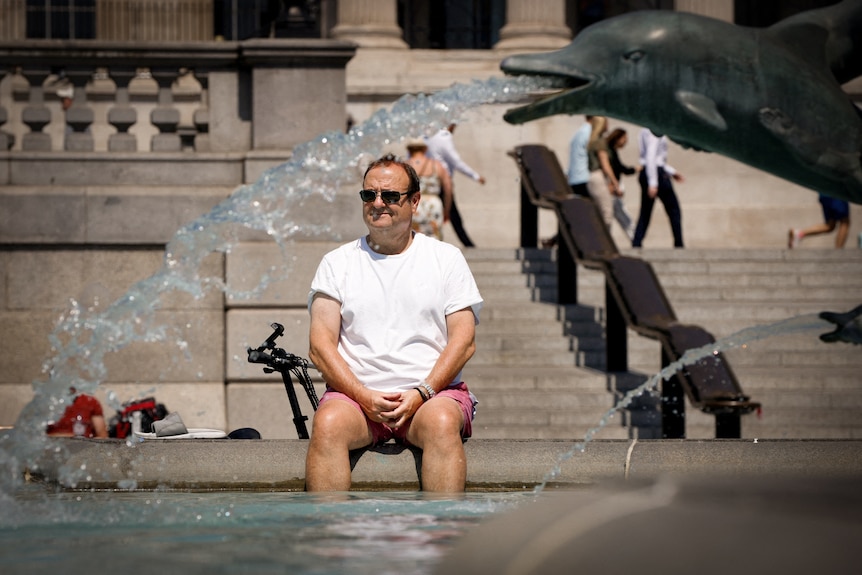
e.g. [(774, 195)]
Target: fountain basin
[(203, 464)]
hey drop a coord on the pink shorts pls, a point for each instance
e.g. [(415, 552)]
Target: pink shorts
[(381, 433)]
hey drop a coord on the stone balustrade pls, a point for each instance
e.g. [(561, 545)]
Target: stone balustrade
[(159, 97)]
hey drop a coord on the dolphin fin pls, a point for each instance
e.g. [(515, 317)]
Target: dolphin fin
[(805, 39), (701, 107)]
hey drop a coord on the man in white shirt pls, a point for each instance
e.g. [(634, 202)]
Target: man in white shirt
[(441, 146), (393, 318), (655, 182)]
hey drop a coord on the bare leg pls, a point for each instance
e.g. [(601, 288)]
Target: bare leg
[(843, 232), (795, 236), (436, 429), (338, 428)]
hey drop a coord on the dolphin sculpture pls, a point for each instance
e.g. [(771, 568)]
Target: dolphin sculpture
[(768, 97)]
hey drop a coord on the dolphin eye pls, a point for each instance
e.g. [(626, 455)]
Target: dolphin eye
[(633, 55)]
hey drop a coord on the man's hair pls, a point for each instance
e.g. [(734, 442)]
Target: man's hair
[(392, 160)]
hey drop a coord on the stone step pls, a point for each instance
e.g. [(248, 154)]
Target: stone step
[(514, 279), (499, 293), (541, 311), (772, 255), (521, 357), (547, 400), (530, 378), (539, 343), (811, 379), (695, 281), (575, 433), (828, 296)]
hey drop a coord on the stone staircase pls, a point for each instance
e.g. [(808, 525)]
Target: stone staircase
[(538, 370)]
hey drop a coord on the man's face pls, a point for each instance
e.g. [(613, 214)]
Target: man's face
[(377, 213)]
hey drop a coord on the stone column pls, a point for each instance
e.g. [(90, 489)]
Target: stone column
[(369, 23), (719, 9), (13, 20), (534, 25)]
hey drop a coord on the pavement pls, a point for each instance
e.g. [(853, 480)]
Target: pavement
[(233, 464)]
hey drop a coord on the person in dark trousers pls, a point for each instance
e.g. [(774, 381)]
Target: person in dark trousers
[(442, 147), (655, 180)]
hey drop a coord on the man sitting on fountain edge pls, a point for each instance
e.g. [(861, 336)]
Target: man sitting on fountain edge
[(393, 318)]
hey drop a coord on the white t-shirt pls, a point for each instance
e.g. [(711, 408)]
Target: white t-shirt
[(394, 308)]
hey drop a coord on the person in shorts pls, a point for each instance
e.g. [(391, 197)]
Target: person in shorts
[(393, 318), (836, 214)]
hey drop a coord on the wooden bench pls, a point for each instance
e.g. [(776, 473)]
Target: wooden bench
[(634, 298)]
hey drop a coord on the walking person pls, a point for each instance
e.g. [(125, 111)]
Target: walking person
[(655, 181), (617, 140), (836, 214), (441, 146), (602, 185)]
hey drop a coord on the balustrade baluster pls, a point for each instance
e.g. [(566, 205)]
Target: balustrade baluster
[(122, 115), (165, 116), (79, 117), (36, 114)]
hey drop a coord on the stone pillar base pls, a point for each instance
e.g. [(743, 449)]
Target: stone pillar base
[(371, 36), (533, 37)]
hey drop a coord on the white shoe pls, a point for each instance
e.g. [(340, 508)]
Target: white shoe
[(793, 237)]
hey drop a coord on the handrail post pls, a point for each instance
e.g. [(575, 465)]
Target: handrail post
[(672, 404), (616, 335), (529, 220), (567, 271), (728, 425)]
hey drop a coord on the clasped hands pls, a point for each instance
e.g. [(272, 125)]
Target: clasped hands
[(393, 408)]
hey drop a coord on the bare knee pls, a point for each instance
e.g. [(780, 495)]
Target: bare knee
[(339, 424), (437, 423)]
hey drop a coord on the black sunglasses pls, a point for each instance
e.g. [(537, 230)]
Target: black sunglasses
[(388, 196)]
